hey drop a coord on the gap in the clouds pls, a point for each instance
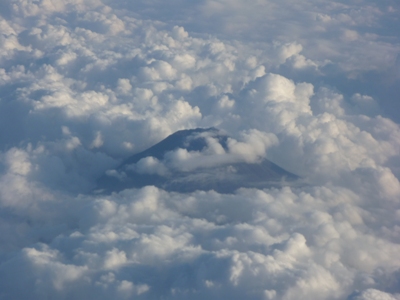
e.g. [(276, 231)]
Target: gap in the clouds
[(381, 87), (10, 110), (371, 84), (5, 10)]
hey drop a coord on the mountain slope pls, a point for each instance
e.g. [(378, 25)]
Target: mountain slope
[(183, 162)]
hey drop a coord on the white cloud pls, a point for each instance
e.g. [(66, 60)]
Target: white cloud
[(372, 294), (149, 165), (254, 146), (310, 85)]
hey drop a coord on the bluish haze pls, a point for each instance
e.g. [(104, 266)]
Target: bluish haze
[(310, 85)]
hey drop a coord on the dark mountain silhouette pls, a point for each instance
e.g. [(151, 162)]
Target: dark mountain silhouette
[(223, 177)]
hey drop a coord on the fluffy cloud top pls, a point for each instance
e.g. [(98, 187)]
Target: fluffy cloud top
[(309, 85)]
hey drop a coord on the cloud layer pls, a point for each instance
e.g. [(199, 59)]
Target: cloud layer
[(310, 85)]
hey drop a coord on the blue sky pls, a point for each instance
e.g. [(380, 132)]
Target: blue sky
[(311, 85)]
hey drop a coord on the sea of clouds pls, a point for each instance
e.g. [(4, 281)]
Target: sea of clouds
[(311, 85)]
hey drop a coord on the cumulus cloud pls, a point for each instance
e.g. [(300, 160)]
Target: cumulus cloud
[(311, 86), (251, 150)]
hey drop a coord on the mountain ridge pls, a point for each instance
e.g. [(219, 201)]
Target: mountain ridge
[(223, 177)]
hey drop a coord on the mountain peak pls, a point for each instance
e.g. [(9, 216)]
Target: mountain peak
[(193, 159)]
